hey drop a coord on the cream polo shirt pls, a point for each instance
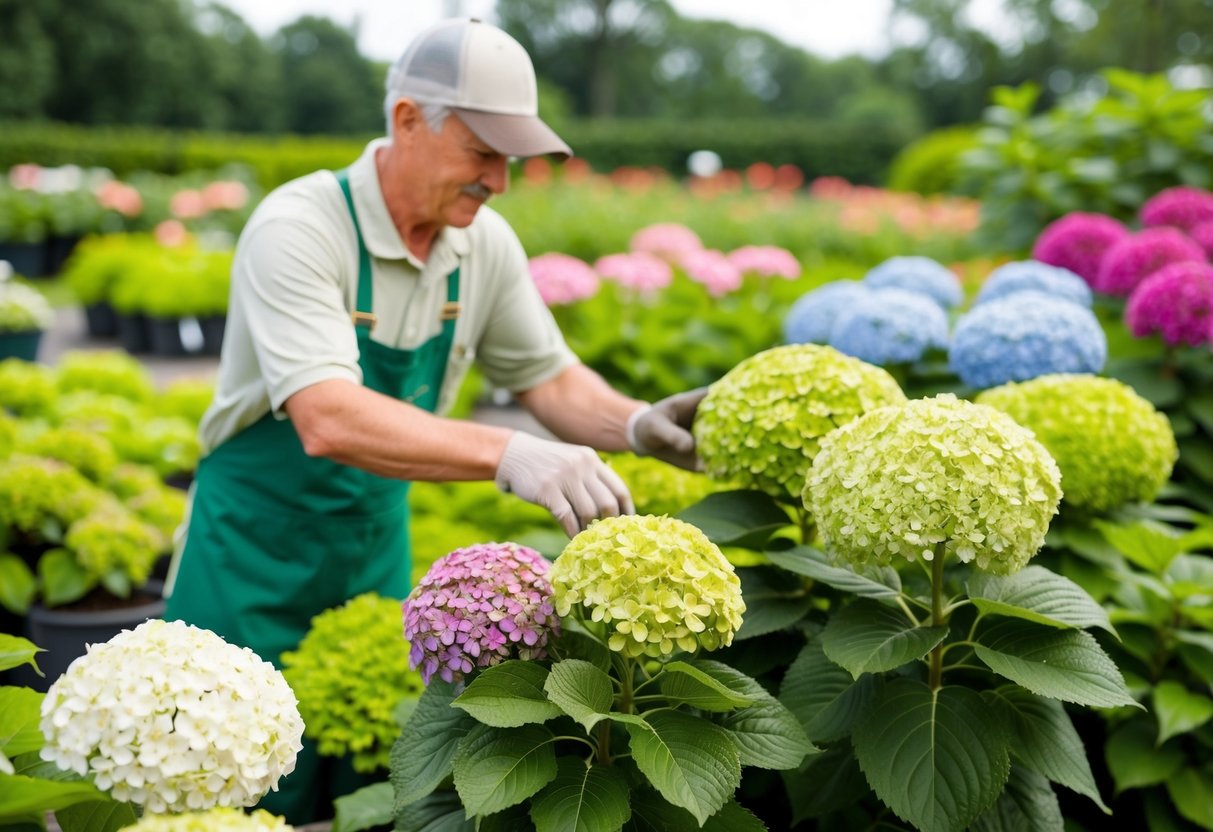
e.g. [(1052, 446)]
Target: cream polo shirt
[(294, 285)]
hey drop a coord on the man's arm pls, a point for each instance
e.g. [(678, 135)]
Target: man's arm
[(577, 405)]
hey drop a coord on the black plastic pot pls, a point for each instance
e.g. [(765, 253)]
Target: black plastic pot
[(58, 249), (176, 337), (27, 259), (101, 320), (133, 333), (213, 327), (23, 345)]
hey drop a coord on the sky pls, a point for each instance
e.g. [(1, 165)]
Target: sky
[(829, 28)]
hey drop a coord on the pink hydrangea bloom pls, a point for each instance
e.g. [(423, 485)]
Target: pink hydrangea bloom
[(1139, 255), (767, 261), (478, 606), (1078, 242), (1176, 302), (1181, 207), (713, 269), (668, 240), (562, 279), (640, 271), (1202, 235), (225, 195)]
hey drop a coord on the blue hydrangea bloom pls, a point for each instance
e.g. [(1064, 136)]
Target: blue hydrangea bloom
[(921, 275), (814, 313), (1032, 275), (1025, 335), (890, 326)]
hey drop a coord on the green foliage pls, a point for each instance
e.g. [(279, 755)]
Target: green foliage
[(931, 164), (111, 372), (350, 674), (114, 548), (188, 398), (26, 389), (1105, 155), (90, 454), (657, 487)]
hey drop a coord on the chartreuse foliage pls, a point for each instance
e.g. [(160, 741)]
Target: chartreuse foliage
[(29, 787)]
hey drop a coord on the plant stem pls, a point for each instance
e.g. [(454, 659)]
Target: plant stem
[(602, 732), (938, 616), (804, 522)]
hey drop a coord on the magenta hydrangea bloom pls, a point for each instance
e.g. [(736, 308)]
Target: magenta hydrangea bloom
[(1181, 207), (713, 269), (766, 261), (640, 271), (668, 240), (1176, 302), (477, 607), (562, 279), (1139, 255), (1202, 235), (1078, 242)]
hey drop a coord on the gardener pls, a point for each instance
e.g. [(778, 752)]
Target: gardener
[(359, 300)]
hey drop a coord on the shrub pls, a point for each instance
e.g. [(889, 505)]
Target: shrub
[(931, 164)]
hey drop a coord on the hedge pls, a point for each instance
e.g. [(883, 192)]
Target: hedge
[(860, 155)]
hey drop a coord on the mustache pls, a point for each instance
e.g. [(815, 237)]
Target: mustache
[(477, 190)]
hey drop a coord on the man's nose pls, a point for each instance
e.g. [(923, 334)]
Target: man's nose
[(497, 177)]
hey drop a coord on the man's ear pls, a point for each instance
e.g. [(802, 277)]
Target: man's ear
[(406, 116)]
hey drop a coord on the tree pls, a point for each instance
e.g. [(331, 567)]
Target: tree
[(247, 76), (328, 86)]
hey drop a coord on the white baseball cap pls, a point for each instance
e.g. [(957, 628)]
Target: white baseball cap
[(485, 77)]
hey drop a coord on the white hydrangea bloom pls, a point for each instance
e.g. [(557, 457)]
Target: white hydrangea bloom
[(172, 717)]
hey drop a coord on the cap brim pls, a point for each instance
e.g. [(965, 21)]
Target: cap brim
[(514, 135)]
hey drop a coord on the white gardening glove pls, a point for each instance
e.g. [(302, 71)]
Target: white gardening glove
[(663, 429), (568, 480)]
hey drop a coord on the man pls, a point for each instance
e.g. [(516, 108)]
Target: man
[(358, 302)]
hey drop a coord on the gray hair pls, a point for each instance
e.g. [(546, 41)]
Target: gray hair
[(435, 114)]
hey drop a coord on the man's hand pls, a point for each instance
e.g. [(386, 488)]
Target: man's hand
[(663, 429), (568, 480)]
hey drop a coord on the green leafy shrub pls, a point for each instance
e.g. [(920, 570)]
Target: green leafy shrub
[(161, 507), (113, 371), (130, 479), (168, 444), (112, 547), (97, 263), (89, 453), (660, 488), (188, 398), (351, 674), (931, 164), (40, 498), (26, 389)]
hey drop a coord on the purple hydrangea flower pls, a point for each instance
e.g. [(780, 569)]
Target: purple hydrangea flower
[(1139, 255), (814, 313), (1176, 302), (1202, 235), (1078, 242), (1031, 275), (1181, 207), (921, 275), (1025, 335), (476, 607)]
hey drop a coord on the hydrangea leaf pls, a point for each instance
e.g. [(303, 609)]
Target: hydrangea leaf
[(580, 690), (1190, 576), (1179, 710), (1135, 761), (1061, 664), (689, 685), (827, 782), (21, 796), (582, 799), (650, 813), (1040, 595), (1046, 742), (369, 806), (1151, 546), (577, 645), (20, 711), (766, 733), (1028, 802), (936, 758), (1189, 789), (437, 812), (737, 518), (17, 585), (16, 651), (508, 695), (423, 753), (823, 696), (805, 560), (63, 579), (499, 767), (772, 602), (693, 763), (110, 816), (868, 637)]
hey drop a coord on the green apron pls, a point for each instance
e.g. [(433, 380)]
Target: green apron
[(277, 537)]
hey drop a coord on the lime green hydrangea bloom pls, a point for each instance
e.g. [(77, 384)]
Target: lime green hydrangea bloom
[(899, 481), (658, 584), (114, 540), (350, 673), (660, 488), (26, 389), (213, 820), (162, 507), (188, 398), (130, 479), (8, 434), (1112, 446), (760, 425), (89, 453), (112, 371), (35, 491)]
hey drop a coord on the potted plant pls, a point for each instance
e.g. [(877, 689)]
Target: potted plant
[(91, 273), (23, 228), (24, 315)]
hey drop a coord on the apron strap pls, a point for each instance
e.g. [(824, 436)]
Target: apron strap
[(363, 310)]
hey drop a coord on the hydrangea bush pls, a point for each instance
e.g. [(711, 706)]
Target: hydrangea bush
[(890, 326), (562, 279), (656, 584), (478, 606), (760, 425), (1078, 242), (657, 487), (1024, 335), (1182, 207), (814, 313), (1134, 258), (921, 275), (1112, 446), (173, 718), (1034, 276), (640, 271), (1175, 302), (350, 674)]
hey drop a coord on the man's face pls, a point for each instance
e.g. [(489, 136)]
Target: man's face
[(460, 172)]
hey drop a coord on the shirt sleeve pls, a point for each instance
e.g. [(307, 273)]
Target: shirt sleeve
[(288, 280), (521, 346)]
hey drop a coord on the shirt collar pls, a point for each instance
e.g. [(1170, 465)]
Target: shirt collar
[(379, 233)]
